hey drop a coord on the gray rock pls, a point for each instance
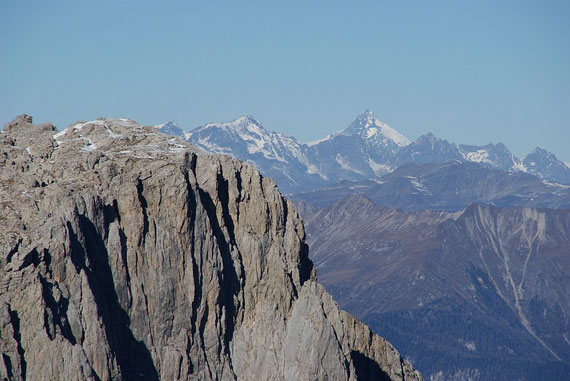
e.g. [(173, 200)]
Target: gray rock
[(125, 255)]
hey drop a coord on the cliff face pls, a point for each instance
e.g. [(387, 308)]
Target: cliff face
[(125, 255)]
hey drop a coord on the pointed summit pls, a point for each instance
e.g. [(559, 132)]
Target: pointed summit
[(362, 122), (246, 119), (547, 166), (245, 124), (369, 127), (170, 128)]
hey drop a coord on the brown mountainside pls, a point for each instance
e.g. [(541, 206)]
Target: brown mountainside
[(478, 294)]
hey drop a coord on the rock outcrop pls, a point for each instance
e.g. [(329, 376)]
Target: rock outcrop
[(126, 255)]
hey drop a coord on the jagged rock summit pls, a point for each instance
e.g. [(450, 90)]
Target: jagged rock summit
[(546, 165), (126, 255)]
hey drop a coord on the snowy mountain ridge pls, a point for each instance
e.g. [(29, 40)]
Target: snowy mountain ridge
[(367, 148), (250, 135)]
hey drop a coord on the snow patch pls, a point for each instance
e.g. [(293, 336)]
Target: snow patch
[(89, 147), (79, 126), (177, 148), (76, 127), (59, 135), (555, 184), (519, 166), (371, 132), (212, 147), (262, 144), (315, 142), (392, 134), (27, 194), (379, 169), (312, 169), (469, 345), (346, 165), (125, 122), (418, 185), (112, 135), (479, 156)]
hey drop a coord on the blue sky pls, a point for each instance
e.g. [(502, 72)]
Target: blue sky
[(469, 71)]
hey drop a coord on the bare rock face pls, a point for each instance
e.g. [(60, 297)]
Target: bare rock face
[(125, 255)]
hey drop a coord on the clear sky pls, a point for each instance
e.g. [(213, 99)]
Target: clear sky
[(469, 71)]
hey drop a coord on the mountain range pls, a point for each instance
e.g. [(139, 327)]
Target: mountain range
[(478, 294), (366, 149), (450, 186)]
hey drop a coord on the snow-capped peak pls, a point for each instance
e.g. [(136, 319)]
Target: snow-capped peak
[(368, 126), (247, 119), (242, 124), (245, 135)]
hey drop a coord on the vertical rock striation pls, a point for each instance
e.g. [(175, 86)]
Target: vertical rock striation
[(124, 255)]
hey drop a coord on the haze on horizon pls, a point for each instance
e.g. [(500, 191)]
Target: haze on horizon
[(470, 72)]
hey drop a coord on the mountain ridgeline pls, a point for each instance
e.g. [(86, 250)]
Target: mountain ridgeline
[(127, 255), (366, 149), (450, 186)]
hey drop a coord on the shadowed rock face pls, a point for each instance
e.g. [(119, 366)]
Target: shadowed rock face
[(124, 255)]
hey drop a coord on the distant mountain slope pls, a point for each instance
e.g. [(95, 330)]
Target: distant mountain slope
[(449, 186), (479, 294), (492, 155), (366, 149), (430, 149), (170, 128), (281, 157), (545, 164)]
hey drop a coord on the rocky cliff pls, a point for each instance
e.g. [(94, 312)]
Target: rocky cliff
[(125, 255)]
